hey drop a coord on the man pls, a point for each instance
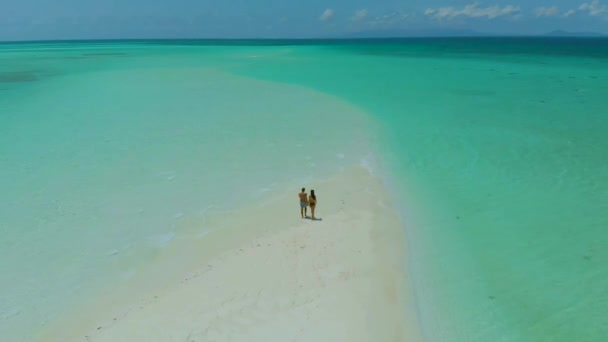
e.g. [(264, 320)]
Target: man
[(303, 202)]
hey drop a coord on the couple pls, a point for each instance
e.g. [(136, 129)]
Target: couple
[(307, 201)]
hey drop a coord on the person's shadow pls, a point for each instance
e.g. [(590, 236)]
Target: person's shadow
[(315, 219)]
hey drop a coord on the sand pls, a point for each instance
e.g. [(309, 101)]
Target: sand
[(265, 274)]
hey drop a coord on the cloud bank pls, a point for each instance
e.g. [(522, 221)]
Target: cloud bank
[(327, 15), (360, 15), (546, 11), (593, 8), (472, 11)]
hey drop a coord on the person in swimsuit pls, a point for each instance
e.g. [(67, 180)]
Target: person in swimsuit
[(312, 201), (303, 202)]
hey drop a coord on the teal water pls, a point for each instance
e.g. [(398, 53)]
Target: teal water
[(109, 153), (494, 148)]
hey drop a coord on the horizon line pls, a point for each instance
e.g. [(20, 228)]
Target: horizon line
[(344, 38)]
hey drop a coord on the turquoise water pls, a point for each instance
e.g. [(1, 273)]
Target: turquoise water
[(110, 152), (495, 149), (498, 148)]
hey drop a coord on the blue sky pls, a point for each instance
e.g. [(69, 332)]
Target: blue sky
[(82, 19)]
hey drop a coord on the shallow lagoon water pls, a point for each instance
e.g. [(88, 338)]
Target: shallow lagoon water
[(495, 150)]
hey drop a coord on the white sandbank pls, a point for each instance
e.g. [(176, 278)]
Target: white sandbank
[(265, 274)]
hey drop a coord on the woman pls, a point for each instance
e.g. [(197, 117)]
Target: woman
[(312, 202)]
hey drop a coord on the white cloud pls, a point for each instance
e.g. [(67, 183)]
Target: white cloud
[(593, 8), (568, 13), (327, 15), (360, 15), (472, 11), (546, 11)]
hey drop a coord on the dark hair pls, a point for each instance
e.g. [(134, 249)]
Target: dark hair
[(303, 189), (312, 194)]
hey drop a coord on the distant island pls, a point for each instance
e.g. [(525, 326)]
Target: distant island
[(459, 33), (413, 33), (561, 33)]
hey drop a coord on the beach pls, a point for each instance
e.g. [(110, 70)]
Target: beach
[(264, 274)]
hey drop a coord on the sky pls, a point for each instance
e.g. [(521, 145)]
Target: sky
[(114, 19)]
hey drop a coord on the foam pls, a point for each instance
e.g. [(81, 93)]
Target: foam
[(161, 240), (368, 163)]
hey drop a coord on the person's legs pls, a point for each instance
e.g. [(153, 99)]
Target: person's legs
[(312, 211)]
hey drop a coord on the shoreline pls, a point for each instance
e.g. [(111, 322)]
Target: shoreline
[(123, 215), (351, 265)]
